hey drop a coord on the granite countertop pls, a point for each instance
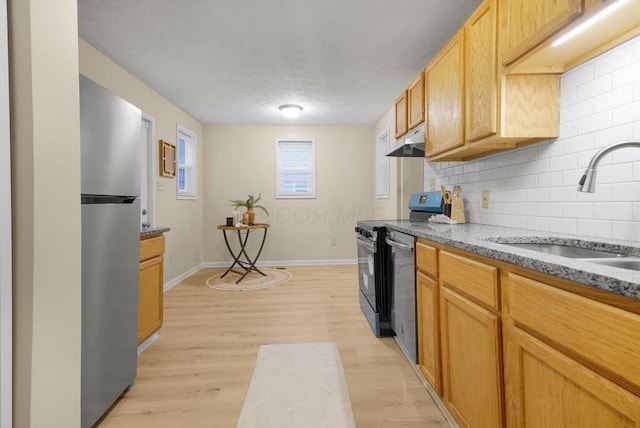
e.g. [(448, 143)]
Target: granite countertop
[(153, 230), (477, 238)]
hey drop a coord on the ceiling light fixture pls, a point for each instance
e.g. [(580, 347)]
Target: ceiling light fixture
[(291, 110), (589, 22)]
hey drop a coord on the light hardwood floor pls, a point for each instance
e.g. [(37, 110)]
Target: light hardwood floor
[(197, 373)]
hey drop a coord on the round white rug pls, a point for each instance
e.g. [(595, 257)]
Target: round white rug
[(253, 281)]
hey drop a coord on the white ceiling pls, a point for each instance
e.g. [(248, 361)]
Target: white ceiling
[(236, 61)]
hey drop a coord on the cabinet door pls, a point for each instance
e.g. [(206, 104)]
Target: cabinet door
[(428, 335), (401, 115), (525, 23), (416, 101), (481, 78), (471, 361), (445, 96), (546, 388), (151, 295)]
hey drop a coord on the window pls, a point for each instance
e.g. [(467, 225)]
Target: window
[(295, 168), (187, 172)]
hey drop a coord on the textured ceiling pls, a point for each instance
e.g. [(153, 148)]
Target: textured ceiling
[(236, 61)]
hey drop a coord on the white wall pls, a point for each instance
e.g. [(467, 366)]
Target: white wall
[(45, 161), (5, 230), (240, 160), (534, 187)]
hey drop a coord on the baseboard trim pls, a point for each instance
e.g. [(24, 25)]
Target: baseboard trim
[(144, 345), (178, 279), (289, 263)]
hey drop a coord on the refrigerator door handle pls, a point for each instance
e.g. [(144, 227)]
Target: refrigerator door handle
[(101, 199)]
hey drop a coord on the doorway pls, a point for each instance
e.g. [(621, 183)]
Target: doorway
[(149, 172)]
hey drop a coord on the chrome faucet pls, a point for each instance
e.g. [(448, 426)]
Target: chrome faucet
[(588, 181)]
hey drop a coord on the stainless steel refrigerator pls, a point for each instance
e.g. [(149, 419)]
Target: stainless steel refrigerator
[(111, 150)]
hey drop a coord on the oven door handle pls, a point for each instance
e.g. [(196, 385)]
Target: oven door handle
[(366, 243), (398, 245)]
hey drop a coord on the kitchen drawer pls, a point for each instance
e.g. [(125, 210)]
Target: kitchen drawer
[(604, 335), (426, 258), (151, 247), (477, 280)]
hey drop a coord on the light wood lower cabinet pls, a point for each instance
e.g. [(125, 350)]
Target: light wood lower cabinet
[(545, 388), (428, 330), (471, 361), (506, 346), (150, 302)]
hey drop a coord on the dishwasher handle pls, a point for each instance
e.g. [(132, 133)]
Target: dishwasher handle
[(398, 245)]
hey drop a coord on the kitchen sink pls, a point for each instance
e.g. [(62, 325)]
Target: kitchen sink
[(631, 263), (565, 250)]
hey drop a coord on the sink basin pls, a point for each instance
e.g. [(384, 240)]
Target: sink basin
[(566, 250), (631, 263)]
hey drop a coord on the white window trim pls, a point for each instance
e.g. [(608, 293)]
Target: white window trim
[(314, 170), (382, 165), (193, 195)]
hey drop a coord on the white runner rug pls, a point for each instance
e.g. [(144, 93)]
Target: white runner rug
[(297, 385)]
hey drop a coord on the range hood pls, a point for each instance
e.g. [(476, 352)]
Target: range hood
[(410, 146)]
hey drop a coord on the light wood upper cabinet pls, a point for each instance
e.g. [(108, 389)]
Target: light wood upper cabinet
[(529, 28), (444, 77), (526, 23), (416, 101), (401, 115), (481, 90), (502, 111)]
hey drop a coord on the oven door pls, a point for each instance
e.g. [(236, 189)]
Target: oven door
[(366, 270)]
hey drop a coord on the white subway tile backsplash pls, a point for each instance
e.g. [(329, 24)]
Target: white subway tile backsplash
[(561, 163), (578, 76), (613, 210), (563, 225), (595, 87), (577, 210), (612, 99), (597, 228), (578, 143), (607, 136), (615, 173), (535, 186), (595, 122), (538, 223), (577, 110), (628, 113), (614, 59), (626, 75), (626, 230), (552, 179)]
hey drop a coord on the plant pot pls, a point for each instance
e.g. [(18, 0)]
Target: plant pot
[(252, 216)]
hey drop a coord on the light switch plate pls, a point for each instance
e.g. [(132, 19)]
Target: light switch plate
[(432, 184), (485, 199)]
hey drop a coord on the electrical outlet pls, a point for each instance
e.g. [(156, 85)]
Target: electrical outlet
[(432, 184), (333, 242), (485, 199)]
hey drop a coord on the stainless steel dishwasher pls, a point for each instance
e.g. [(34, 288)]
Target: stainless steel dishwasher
[(403, 283)]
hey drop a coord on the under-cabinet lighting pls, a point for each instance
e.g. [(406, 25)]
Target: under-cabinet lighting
[(290, 110), (589, 22)]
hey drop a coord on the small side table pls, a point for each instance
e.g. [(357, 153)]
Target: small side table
[(248, 264)]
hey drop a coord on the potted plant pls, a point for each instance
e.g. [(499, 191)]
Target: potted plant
[(249, 204)]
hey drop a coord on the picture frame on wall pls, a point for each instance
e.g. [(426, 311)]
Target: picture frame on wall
[(167, 159)]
